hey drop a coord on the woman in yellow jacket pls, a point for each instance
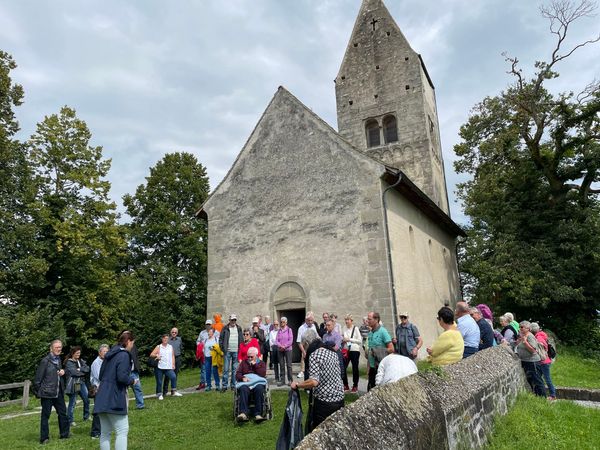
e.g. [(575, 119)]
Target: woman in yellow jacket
[(449, 346), (217, 358)]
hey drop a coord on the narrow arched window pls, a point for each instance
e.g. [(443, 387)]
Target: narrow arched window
[(373, 137), (390, 129)]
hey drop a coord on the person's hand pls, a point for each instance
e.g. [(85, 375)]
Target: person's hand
[(245, 379), (61, 372), (394, 341), (136, 381), (294, 385), (414, 351), (429, 350), (345, 339)]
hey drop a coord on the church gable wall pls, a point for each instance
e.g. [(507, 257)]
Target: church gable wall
[(299, 205)]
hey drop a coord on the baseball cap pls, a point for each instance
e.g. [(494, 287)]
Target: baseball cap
[(403, 314), (208, 322), (232, 317), (255, 320)]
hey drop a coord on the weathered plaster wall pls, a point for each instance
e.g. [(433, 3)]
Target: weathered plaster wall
[(424, 264), (300, 205), (427, 411)]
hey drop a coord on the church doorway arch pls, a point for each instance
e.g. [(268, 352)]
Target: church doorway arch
[(290, 300)]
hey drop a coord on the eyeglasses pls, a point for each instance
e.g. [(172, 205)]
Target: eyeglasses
[(403, 317), (246, 334)]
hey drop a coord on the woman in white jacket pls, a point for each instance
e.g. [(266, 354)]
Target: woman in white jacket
[(352, 340)]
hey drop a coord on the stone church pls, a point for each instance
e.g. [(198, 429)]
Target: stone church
[(346, 221)]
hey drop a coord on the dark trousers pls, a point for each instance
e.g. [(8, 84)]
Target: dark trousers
[(372, 375), (275, 361), (322, 410), (533, 373), (285, 362), (166, 379), (468, 351), (95, 426), (354, 357), (244, 398), (61, 410)]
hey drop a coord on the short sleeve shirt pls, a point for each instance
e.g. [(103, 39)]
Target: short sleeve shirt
[(324, 367), (378, 338)]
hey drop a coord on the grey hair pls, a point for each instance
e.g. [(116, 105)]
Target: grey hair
[(474, 310), (526, 324), (509, 316), (504, 319), (310, 315), (535, 327), (309, 337), (103, 346), (283, 319), (252, 351)]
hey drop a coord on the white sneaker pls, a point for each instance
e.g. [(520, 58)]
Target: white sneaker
[(177, 394), (300, 375), (160, 397)]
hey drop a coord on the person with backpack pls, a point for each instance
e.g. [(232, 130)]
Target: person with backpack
[(408, 341), (527, 348), (508, 332), (542, 338)]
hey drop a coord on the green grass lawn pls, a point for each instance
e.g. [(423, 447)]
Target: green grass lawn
[(573, 369), (534, 423)]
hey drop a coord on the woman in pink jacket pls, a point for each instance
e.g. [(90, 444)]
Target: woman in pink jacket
[(285, 339), (542, 338)]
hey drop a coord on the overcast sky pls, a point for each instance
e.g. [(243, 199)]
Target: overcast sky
[(151, 77)]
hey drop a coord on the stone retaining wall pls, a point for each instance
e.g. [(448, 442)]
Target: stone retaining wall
[(582, 394), (446, 409)]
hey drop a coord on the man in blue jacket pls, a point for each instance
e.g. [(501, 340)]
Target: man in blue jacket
[(49, 388), (486, 339)]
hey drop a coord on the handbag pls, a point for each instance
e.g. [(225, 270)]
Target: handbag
[(92, 390), (73, 386), (346, 354), (153, 362), (378, 354)]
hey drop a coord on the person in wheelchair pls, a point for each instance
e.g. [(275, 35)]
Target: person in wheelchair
[(250, 377)]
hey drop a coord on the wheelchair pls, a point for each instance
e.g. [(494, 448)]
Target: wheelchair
[(267, 411)]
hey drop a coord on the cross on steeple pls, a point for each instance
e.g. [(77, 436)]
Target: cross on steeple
[(374, 22)]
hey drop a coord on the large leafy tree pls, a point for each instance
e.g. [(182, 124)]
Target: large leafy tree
[(534, 159), (79, 238), (168, 247)]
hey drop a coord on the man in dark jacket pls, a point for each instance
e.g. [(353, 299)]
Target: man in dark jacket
[(49, 387), (255, 366), (485, 329), (229, 341)]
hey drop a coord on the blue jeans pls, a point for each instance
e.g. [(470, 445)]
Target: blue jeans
[(209, 369), (137, 390), (545, 369), (533, 374), (119, 423), (231, 360), (83, 393), (159, 374), (468, 351), (202, 370)]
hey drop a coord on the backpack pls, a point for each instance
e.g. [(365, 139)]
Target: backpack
[(541, 350), (551, 351)]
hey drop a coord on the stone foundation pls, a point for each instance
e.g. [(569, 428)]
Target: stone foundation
[(450, 408)]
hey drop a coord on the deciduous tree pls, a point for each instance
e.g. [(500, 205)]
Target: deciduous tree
[(534, 156)]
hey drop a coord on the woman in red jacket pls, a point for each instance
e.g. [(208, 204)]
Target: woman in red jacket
[(246, 344)]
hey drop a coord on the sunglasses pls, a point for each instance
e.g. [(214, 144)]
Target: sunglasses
[(404, 317)]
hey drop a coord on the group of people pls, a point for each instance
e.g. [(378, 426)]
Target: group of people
[(111, 374), (236, 357), (468, 330)]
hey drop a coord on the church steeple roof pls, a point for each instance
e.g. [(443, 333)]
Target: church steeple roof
[(374, 26)]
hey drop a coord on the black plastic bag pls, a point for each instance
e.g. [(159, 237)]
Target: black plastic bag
[(290, 433)]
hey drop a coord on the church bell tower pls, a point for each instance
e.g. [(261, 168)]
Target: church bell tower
[(386, 101)]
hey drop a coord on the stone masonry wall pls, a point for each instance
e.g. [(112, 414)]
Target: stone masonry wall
[(452, 410)]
